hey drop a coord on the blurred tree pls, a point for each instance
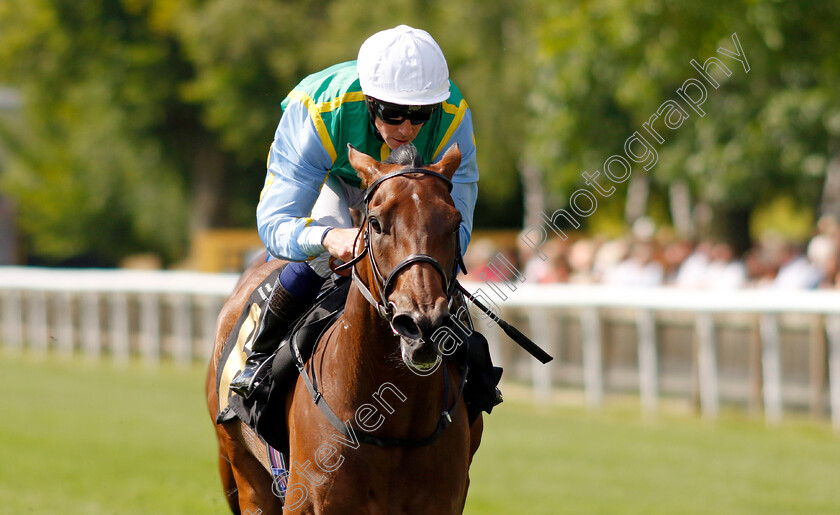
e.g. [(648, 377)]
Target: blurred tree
[(144, 120), (246, 55), (605, 66), (489, 47), (100, 163)]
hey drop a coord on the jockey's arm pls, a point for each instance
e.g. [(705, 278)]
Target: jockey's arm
[(465, 180), (297, 168)]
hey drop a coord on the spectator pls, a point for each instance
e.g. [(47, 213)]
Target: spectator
[(582, 261), (724, 272), (823, 249), (558, 263), (692, 272), (478, 255), (640, 269), (554, 268), (796, 272), (607, 257), (674, 255), (759, 267), (633, 260)]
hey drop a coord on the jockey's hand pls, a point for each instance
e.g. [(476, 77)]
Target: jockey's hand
[(339, 243)]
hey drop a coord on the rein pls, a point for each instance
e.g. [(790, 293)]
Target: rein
[(349, 432), (386, 311)]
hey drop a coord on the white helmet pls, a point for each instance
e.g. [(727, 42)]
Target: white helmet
[(403, 66)]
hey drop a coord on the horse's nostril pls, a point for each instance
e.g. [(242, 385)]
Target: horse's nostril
[(406, 327)]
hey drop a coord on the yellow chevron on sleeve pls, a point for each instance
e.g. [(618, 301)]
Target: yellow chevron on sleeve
[(332, 105), (309, 221), (270, 178), (315, 114), (459, 115), (268, 182)]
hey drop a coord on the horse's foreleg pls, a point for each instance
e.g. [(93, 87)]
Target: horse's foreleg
[(223, 440), (228, 481), (476, 430)]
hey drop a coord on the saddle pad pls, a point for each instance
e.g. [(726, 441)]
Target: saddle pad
[(264, 410), (238, 345)]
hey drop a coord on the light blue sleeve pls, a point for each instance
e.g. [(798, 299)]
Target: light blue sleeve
[(297, 168), (465, 180)]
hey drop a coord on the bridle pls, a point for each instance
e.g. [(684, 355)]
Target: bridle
[(386, 311), (384, 283)]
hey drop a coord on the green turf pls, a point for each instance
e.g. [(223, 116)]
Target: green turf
[(570, 461), (79, 437)]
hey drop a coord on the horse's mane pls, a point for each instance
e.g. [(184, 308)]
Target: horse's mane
[(405, 155)]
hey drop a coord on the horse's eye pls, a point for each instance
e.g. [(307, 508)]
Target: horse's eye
[(374, 224)]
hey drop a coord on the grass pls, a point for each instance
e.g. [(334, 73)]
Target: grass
[(570, 461), (87, 438)]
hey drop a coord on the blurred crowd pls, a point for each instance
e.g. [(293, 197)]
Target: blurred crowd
[(647, 258)]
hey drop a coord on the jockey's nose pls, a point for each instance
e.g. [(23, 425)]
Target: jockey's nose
[(404, 128)]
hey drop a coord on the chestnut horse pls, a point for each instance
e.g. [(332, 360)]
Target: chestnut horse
[(402, 287)]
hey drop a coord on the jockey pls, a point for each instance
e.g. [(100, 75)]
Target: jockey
[(397, 92)]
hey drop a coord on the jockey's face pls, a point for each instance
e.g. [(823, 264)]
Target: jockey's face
[(396, 136)]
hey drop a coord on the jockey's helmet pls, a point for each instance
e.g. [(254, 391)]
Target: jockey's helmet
[(403, 66)]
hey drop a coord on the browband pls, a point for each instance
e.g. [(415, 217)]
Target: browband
[(405, 171)]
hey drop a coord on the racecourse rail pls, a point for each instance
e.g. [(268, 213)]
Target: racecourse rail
[(603, 338)]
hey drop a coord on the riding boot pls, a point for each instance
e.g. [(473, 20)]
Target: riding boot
[(282, 309)]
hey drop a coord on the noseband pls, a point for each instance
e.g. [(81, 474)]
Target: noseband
[(384, 284)]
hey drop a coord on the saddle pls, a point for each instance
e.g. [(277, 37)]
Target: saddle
[(264, 409)]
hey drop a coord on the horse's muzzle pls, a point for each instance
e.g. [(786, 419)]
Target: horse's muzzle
[(405, 325), (416, 331)]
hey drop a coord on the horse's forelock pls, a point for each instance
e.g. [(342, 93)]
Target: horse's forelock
[(405, 155)]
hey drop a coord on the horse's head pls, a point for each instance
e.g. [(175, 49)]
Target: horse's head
[(411, 231)]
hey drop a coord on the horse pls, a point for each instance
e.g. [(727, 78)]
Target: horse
[(387, 447)]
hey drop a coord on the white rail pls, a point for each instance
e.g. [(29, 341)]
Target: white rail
[(151, 314), (172, 315)]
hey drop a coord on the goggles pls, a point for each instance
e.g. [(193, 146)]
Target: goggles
[(395, 114)]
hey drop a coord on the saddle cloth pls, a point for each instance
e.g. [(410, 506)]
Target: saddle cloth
[(264, 410)]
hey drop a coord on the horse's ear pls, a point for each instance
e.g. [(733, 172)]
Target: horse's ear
[(367, 168), (450, 162)]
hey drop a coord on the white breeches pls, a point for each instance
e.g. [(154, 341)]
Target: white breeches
[(333, 209)]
